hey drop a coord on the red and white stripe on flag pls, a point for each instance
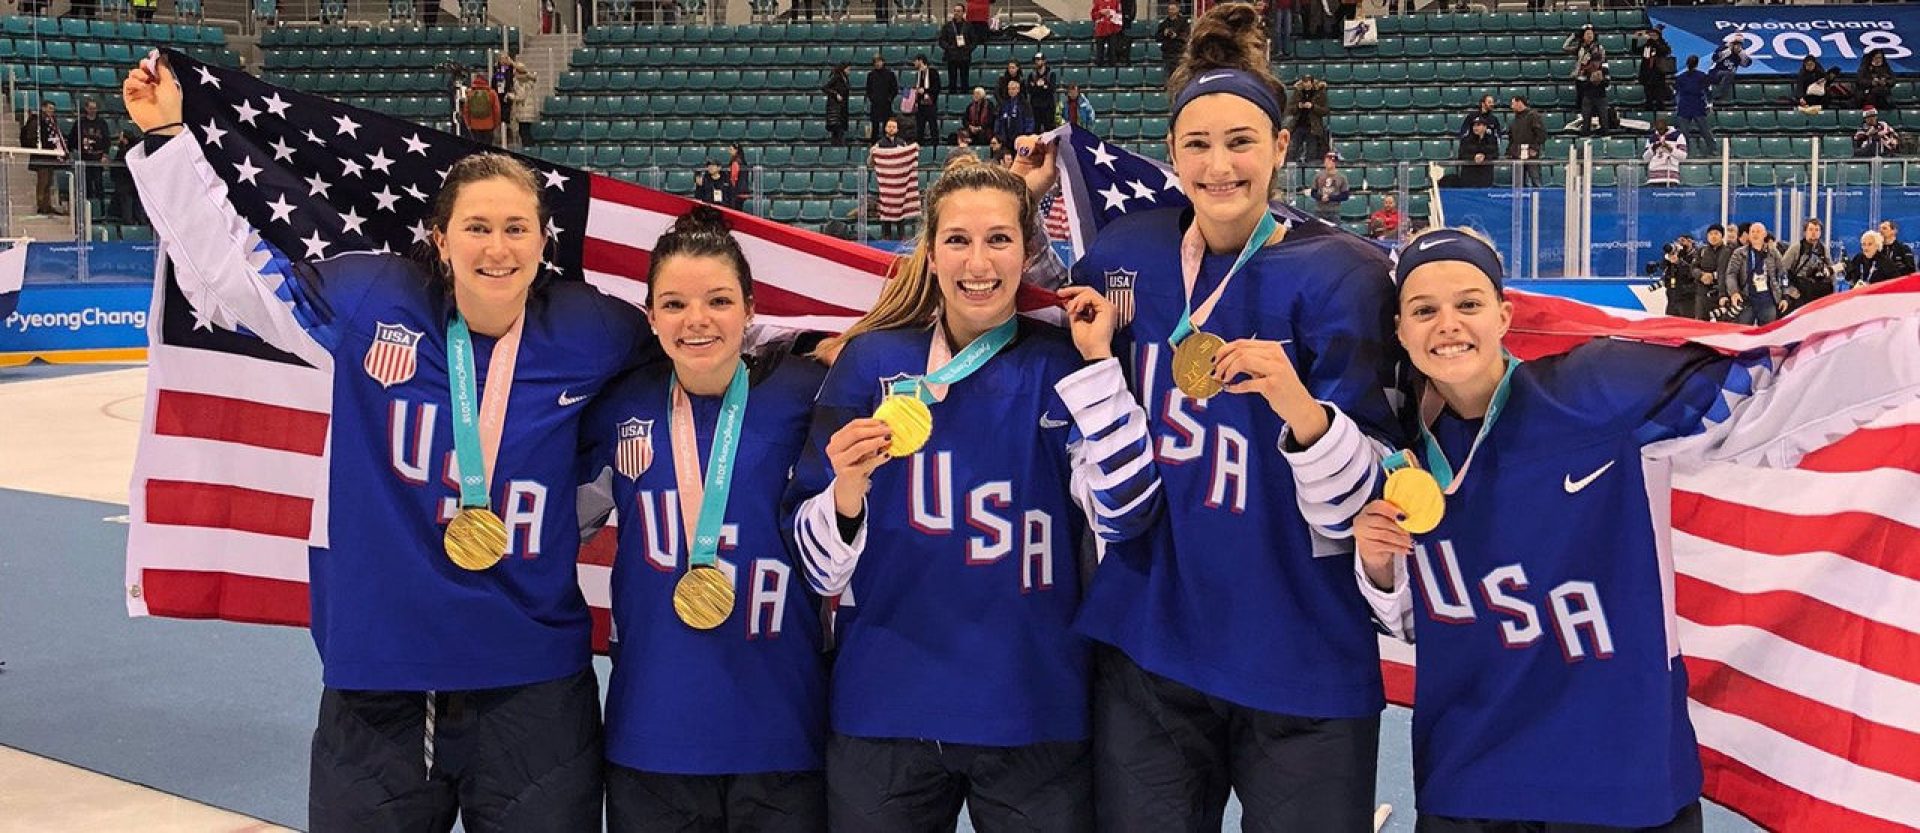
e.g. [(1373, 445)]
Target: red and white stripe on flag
[(896, 170)]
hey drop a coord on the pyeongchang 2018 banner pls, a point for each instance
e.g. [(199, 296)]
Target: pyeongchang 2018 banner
[(1780, 37)]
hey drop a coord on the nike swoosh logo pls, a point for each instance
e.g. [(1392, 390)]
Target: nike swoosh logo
[(566, 400), (1208, 78), (1574, 486), (1428, 244), (1050, 422)]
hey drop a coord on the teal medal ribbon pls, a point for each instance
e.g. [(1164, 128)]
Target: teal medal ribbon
[(1190, 274), (960, 366), (1437, 464), (466, 415), (703, 545)]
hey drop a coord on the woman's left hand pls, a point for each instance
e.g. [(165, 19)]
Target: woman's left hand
[(1263, 367), (1091, 319)]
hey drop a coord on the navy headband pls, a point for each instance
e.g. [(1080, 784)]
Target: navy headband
[(1234, 82), (1447, 244)]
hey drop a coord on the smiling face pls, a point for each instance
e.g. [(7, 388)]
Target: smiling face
[(699, 313), (977, 255), (492, 241), (1225, 151), (1451, 322)]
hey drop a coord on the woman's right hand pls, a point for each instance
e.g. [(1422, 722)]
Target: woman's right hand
[(151, 95), (855, 451), (1378, 539)]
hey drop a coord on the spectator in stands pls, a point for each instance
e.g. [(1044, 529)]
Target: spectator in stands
[(1874, 84), (882, 88), (1527, 141), (1108, 28), (124, 206), (1308, 127), (1756, 279), (1320, 19), (883, 11), (1656, 63), (1666, 149), (999, 152), (956, 47), (979, 12), (1690, 106), (1280, 25), (1482, 115), (1015, 118), (1385, 223), (1804, 83), (143, 10), (1899, 255), (1875, 138), (482, 110), (1709, 266), (1478, 148), (1592, 91), (926, 102), (977, 124), (899, 192), (90, 139), (42, 132), (1586, 49), (739, 177), (1075, 109), (1728, 60), (509, 78), (1172, 35), (838, 89), (1871, 265), (1810, 267), (1040, 88), (1677, 278), (711, 186), (1003, 86), (1330, 189)]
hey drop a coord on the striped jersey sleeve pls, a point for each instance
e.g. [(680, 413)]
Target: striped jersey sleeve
[(1114, 478), (1336, 476)]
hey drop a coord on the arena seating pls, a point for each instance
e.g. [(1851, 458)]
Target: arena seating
[(69, 59), (391, 70)]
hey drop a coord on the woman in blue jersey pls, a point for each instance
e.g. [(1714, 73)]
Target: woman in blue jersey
[(452, 634), (1551, 693), (957, 676), (1239, 655), (716, 724)]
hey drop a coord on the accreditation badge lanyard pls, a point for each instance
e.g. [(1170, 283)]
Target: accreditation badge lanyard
[(476, 430), (942, 371), (1430, 405), (703, 503), (1193, 249)]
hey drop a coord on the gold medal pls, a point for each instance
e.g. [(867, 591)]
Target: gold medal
[(476, 538), (911, 421), (703, 598), (1418, 495), (1193, 364)]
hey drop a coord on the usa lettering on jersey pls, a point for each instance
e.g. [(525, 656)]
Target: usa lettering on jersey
[(522, 504), (1185, 439), (993, 533), (656, 520), (1572, 606)]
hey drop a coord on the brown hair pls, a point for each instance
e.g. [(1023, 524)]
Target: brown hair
[(471, 169), (912, 293), (1228, 36), (701, 232)]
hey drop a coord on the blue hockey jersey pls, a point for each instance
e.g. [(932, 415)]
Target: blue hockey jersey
[(956, 621), (750, 695), (1226, 594), (389, 610)]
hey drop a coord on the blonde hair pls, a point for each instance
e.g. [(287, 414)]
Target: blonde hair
[(911, 296)]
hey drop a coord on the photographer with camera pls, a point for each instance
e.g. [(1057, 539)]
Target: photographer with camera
[(1679, 277), (1810, 267), (1709, 264)]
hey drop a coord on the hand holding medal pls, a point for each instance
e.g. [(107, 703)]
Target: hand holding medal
[(1414, 493), (855, 451)]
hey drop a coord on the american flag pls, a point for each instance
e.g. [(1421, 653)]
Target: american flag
[(1798, 589), (896, 172)]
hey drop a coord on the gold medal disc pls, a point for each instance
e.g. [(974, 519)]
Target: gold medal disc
[(911, 421), (703, 598), (476, 538), (1193, 364), (1418, 495)]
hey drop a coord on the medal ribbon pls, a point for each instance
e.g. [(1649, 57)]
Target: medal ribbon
[(1430, 405), (476, 431), (942, 371), (703, 505), (1193, 247)]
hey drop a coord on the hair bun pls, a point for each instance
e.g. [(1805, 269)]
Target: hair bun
[(1227, 37), (702, 219)]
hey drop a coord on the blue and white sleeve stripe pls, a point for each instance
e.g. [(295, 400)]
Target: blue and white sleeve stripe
[(1335, 477), (229, 274), (1392, 609), (1114, 476), (827, 560)]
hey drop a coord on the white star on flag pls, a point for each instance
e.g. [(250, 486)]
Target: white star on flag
[(245, 171), (379, 161), (315, 138), (316, 245), (348, 167), (276, 105), (211, 134), (282, 210), (1141, 191), (208, 77), (350, 221), (317, 187), (555, 179), (419, 230), (246, 112), (282, 152), (417, 194), (1173, 182), (387, 198), (1115, 198), (346, 126), (414, 145), (1102, 157), (553, 228)]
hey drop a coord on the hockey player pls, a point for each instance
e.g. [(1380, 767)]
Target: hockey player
[(1240, 656), (715, 722), (446, 607), (958, 677), (1544, 596)]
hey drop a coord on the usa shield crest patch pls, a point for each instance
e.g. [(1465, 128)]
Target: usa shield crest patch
[(634, 452), (1120, 293), (394, 355)]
